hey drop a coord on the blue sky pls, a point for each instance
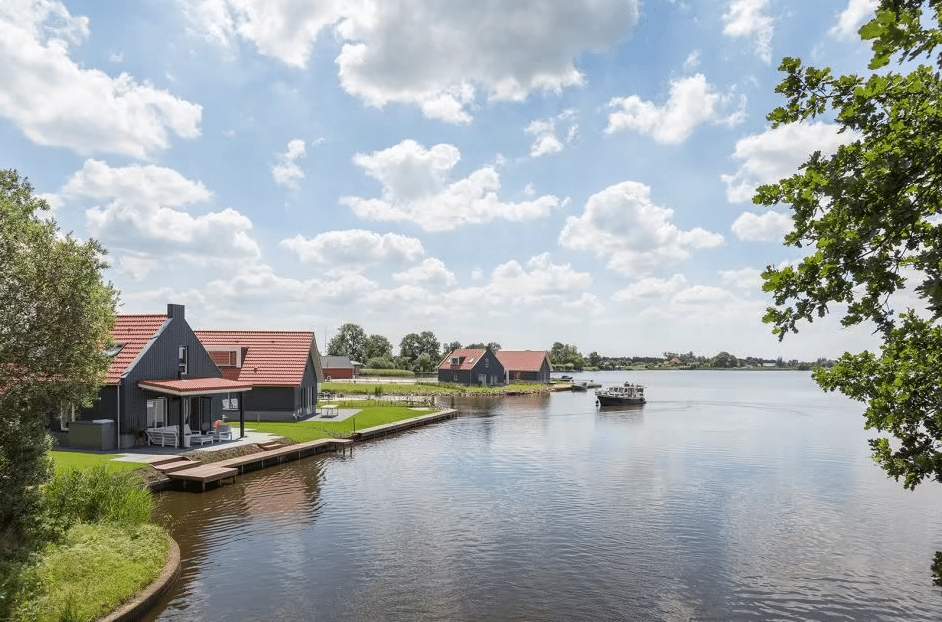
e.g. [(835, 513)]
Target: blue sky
[(514, 171)]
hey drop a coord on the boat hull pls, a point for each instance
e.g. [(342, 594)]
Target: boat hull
[(605, 400)]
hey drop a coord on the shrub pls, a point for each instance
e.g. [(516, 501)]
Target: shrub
[(97, 495), (366, 371)]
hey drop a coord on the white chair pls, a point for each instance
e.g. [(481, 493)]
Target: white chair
[(223, 432)]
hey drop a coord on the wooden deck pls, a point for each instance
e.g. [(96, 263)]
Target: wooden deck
[(188, 470), (278, 455), (204, 473), (399, 426)]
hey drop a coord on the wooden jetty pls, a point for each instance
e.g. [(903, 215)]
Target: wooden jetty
[(399, 426), (184, 470)]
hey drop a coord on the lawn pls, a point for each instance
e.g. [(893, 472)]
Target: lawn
[(431, 388), (370, 415), (69, 460)]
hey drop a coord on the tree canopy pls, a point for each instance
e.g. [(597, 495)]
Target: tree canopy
[(350, 341), (56, 315), (869, 217), (420, 351)]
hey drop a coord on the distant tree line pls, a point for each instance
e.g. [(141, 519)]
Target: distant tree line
[(418, 352), (422, 352)]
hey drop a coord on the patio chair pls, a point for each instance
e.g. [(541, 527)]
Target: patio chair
[(222, 432)]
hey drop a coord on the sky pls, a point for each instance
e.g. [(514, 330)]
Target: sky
[(518, 171)]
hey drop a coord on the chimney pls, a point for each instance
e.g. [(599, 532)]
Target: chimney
[(175, 311)]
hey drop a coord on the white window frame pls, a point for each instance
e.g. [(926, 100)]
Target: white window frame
[(183, 360)]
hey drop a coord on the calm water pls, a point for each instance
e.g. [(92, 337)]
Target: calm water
[(729, 496)]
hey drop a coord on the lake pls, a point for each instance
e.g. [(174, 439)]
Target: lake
[(728, 496)]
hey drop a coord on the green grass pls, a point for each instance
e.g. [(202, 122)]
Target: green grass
[(422, 388), (73, 460), (368, 417), (94, 570)]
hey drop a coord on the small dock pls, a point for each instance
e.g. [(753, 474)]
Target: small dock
[(284, 453), (181, 469), (204, 473), (399, 426)]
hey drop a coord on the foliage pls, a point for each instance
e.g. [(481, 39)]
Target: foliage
[(725, 360), (97, 495), (56, 315), (566, 356), (94, 570), (448, 348), (412, 348), (377, 346), (349, 341), (869, 216), (387, 372), (379, 363)]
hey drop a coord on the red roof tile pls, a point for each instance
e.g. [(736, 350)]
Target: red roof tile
[(468, 359), (272, 358), (522, 360), (195, 386), (134, 332)]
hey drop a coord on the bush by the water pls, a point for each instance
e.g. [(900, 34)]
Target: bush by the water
[(83, 511), (97, 495)]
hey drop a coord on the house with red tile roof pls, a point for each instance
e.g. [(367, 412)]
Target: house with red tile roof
[(159, 375), (283, 368), (472, 367), (526, 365)]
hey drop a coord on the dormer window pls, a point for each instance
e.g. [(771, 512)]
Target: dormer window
[(183, 362), (455, 361)]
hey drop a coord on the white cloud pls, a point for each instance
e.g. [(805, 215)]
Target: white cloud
[(692, 102), (137, 267), (777, 153), (355, 249), (851, 18), (651, 288), (768, 227), (544, 132), (281, 29), (621, 225), (140, 215), (287, 172), (745, 278), (748, 19), (431, 271), (536, 286), (261, 284), (435, 55), (693, 61), (417, 188), (56, 102)]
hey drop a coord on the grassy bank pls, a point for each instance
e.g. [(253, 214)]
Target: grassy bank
[(370, 415), (92, 571), (427, 388), (95, 551)]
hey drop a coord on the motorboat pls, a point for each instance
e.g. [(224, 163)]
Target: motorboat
[(621, 395)]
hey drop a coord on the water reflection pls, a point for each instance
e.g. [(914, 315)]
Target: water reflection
[(728, 496)]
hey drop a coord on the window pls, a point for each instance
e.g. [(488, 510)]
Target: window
[(230, 404), (182, 365), (455, 361), (157, 412)]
